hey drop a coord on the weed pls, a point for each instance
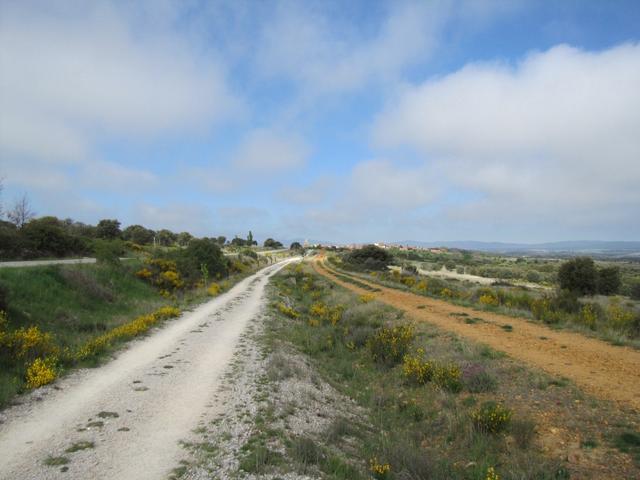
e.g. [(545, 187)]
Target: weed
[(55, 461), (82, 445)]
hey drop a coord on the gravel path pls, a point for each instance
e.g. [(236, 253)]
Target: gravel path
[(132, 413)]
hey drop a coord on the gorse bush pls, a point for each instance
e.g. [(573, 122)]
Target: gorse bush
[(417, 370), (129, 330), (41, 372), (491, 418), (390, 344), (163, 274)]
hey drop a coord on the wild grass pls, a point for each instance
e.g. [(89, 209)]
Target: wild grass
[(420, 429)]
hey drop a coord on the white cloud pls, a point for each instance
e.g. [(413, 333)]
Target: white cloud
[(313, 193), (76, 73), (326, 54), (266, 150), (554, 135)]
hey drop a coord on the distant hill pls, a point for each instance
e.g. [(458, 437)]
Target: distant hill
[(593, 247)]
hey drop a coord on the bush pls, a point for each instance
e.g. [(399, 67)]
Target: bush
[(369, 257), (477, 379), (609, 280), (108, 251), (448, 377), (491, 417), (417, 370), (390, 345), (579, 275), (41, 372), (201, 251)]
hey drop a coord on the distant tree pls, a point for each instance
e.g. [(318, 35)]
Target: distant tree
[(166, 237), (295, 246), (250, 238), (369, 257), (47, 236), (138, 234), (238, 242), (21, 212), (271, 243), (609, 280), (221, 240), (108, 229), (579, 275), (11, 241), (184, 238)]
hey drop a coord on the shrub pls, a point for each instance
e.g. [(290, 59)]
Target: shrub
[(477, 379), (448, 377), (491, 417), (288, 311), (380, 471), (390, 345), (369, 257), (214, 290), (588, 316), (609, 280), (24, 344), (108, 251), (489, 299), (162, 273), (417, 370), (579, 275), (41, 372)]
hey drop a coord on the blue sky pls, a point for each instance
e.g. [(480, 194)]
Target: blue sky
[(339, 121)]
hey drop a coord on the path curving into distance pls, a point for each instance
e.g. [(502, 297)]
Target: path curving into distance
[(603, 370), (136, 408)]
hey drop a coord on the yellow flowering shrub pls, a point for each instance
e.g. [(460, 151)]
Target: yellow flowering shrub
[(131, 329), (288, 311), (380, 471), (41, 372), (408, 281), (422, 286), (489, 299), (618, 316), (366, 298), (390, 345), (214, 289), (491, 417), (319, 310), (446, 292), (25, 344), (448, 377), (163, 274), (492, 474), (417, 370), (588, 316)]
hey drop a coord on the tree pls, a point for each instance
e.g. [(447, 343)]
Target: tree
[(47, 236), (184, 238), (166, 237), (295, 246), (221, 240), (199, 252), (579, 275), (108, 229), (21, 212), (238, 242), (271, 243), (369, 257), (609, 280), (250, 238), (138, 234)]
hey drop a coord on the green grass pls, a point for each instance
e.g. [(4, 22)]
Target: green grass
[(55, 461), (82, 445), (422, 431)]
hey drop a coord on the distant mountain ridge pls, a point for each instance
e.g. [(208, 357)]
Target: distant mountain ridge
[(573, 246)]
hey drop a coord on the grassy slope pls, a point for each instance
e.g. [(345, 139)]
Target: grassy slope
[(426, 432), (73, 303)]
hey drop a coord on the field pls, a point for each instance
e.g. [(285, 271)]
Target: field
[(415, 401)]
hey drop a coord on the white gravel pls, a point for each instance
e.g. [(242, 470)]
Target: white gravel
[(159, 388)]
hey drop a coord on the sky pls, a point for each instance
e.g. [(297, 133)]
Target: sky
[(340, 121)]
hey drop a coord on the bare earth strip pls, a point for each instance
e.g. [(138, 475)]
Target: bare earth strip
[(606, 371), (133, 411)]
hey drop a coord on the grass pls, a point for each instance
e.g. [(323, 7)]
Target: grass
[(56, 461), (421, 431), (82, 445)]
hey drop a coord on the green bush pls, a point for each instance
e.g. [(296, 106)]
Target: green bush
[(579, 275), (369, 257)]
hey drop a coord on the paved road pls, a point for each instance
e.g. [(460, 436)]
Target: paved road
[(145, 401)]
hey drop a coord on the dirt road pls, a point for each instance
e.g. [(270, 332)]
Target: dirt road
[(604, 370), (132, 413)]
